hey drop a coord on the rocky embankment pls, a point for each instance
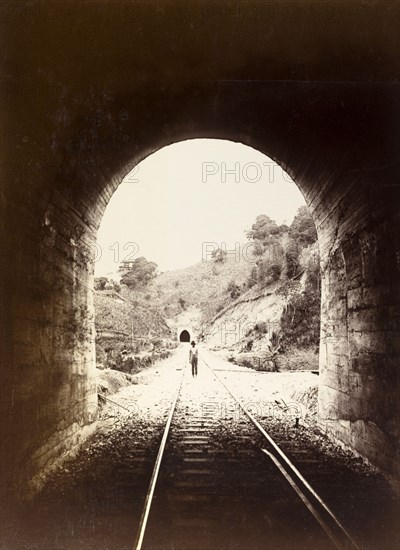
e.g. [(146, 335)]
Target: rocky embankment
[(110, 381)]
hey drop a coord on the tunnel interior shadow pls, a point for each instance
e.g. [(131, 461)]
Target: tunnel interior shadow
[(184, 336)]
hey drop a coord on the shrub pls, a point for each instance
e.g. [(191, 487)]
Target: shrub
[(292, 259), (116, 287), (268, 273), (274, 272), (219, 255), (233, 289), (100, 283), (249, 345), (252, 280), (300, 321), (262, 229), (140, 273), (261, 328), (303, 229)]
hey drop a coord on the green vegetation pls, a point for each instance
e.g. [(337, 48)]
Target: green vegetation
[(278, 248), (219, 255), (300, 322), (264, 230), (234, 290), (302, 230), (103, 283), (274, 258), (131, 329), (282, 259), (140, 273), (208, 286)]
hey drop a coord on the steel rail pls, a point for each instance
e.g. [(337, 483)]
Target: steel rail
[(305, 500), (289, 464), (153, 481)]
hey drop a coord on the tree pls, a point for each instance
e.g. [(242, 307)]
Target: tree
[(274, 272), (292, 258), (263, 229), (284, 228), (116, 286), (233, 289), (274, 251), (182, 303), (219, 255), (302, 233), (100, 283), (268, 272), (252, 280), (303, 229), (258, 249), (262, 277), (140, 274)]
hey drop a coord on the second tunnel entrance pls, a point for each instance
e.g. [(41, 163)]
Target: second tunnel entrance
[(184, 336)]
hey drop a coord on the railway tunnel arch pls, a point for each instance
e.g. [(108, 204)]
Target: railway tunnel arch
[(79, 133), (184, 336)]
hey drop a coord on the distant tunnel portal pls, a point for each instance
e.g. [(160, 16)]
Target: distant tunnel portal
[(184, 336)]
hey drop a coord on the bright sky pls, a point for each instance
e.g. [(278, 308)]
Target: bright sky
[(190, 193)]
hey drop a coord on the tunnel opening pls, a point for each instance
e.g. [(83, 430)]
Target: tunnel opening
[(358, 268), (184, 336), (334, 260), (272, 254)]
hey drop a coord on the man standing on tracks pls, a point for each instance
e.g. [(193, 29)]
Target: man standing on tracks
[(194, 357)]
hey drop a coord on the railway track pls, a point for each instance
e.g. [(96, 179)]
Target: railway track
[(212, 487)]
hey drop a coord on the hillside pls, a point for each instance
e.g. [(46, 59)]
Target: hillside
[(203, 285), (265, 329), (260, 305), (128, 334)]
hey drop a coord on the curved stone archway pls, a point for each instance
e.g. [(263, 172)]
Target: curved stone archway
[(79, 120)]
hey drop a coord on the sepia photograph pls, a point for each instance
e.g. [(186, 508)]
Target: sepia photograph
[(200, 274)]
